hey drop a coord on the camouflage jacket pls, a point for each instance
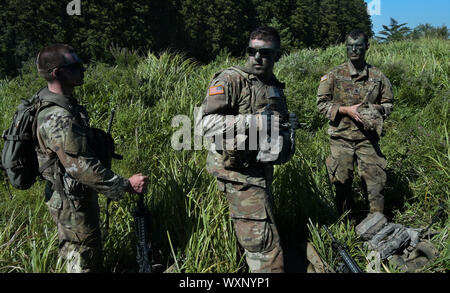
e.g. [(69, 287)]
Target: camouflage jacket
[(344, 86), (66, 135), (233, 93)]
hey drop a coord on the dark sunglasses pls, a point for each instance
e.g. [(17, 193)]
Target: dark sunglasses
[(351, 47), (263, 52), (70, 66), (73, 66)]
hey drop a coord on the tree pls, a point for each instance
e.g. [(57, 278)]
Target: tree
[(200, 28), (25, 27), (394, 32), (304, 22), (336, 18), (210, 26), (429, 31)]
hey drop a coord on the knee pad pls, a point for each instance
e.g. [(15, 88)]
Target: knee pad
[(254, 235)]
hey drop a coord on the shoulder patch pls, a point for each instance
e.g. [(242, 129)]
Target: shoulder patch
[(325, 77), (216, 90)]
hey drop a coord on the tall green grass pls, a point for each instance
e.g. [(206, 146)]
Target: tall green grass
[(190, 223)]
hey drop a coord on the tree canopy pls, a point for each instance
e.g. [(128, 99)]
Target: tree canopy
[(201, 28)]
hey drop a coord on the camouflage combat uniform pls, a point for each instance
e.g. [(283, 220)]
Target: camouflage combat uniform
[(344, 86), (67, 135), (245, 182)]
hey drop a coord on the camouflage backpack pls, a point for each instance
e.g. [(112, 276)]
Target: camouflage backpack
[(19, 158)]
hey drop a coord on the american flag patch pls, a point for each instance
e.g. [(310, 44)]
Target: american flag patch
[(216, 90), (325, 77)]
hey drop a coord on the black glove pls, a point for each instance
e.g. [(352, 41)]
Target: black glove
[(293, 120)]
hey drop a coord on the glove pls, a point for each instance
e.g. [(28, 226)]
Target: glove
[(293, 120)]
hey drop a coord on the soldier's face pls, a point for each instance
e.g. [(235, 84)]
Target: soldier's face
[(356, 49), (261, 57), (72, 71)]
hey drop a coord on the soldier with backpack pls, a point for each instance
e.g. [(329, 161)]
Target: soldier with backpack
[(73, 157)]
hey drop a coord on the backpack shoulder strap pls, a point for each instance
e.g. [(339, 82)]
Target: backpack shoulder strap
[(242, 71), (48, 101)]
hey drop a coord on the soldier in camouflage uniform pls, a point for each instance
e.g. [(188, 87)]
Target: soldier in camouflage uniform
[(356, 97), (77, 174), (233, 93)]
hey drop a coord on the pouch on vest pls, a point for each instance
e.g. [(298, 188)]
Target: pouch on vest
[(276, 148)]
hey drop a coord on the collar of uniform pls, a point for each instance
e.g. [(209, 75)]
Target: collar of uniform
[(273, 79), (45, 91), (354, 72), (277, 83)]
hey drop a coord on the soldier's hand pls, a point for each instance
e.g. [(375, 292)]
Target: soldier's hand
[(138, 183), (351, 111)]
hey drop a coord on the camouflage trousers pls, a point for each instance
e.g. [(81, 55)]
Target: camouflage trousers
[(251, 212), (79, 233), (371, 168)]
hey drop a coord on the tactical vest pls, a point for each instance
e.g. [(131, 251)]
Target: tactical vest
[(269, 99), (261, 95), (52, 170)]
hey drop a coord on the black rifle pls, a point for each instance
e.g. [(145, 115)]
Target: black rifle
[(348, 260), (108, 131), (434, 219), (114, 156), (144, 256)]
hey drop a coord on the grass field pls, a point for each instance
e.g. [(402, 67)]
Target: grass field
[(191, 227)]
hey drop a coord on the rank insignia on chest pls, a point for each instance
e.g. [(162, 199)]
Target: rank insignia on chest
[(216, 90)]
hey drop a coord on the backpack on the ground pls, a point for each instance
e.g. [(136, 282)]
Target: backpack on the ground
[(19, 158)]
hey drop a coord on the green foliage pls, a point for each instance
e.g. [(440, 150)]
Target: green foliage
[(394, 32), (428, 31), (200, 29), (190, 224)]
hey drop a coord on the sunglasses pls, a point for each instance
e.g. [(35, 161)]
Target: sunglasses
[(70, 66), (351, 47), (263, 52), (73, 66)]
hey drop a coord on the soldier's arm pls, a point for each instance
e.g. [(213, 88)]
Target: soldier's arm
[(64, 136), (387, 97), (325, 103), (217, 108)]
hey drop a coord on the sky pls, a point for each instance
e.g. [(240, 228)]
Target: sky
[(412, 12)]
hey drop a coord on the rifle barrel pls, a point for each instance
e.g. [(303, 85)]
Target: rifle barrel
[(348, 260), (111, 119)]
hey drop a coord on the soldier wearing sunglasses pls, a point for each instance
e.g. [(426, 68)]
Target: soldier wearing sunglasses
[(67, 160), (356, 97), (234, 95)]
